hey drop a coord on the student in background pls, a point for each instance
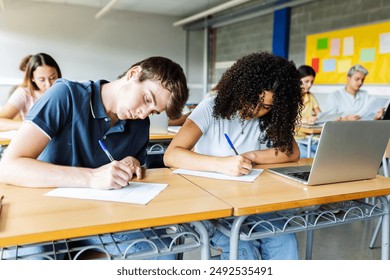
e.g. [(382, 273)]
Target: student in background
[(187, 111), (257, 105), (40, 74), (349, 100), (65, 125), (311, 107), (22, 67)]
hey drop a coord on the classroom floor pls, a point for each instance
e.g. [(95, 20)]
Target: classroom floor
[(345, 242)]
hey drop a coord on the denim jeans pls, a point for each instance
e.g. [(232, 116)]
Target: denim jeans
[(280, 247), (123, 241), (303, 149)]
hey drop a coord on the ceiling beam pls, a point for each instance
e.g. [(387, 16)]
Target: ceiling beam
[(104, 10), (209, 12)]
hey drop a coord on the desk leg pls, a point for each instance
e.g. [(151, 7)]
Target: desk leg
[(235, 236), (385, 229), (204, 239), (309, 238)]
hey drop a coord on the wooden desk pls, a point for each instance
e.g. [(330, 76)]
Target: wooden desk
[(270, 193), (5, 141), (27, 216), (167, 136), (153, 137)]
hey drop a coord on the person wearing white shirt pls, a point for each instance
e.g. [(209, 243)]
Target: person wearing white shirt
[(351, 100)]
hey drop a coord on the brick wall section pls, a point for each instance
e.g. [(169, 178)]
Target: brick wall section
[(236, 40)]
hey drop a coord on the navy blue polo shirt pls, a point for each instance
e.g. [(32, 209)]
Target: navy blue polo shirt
[(73, 116)]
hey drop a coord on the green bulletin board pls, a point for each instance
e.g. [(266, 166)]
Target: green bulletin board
[(331, 54)]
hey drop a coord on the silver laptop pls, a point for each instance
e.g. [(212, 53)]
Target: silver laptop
[(347, 151), (159, 123)]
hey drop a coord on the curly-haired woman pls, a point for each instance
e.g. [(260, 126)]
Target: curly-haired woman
[(258, 105)]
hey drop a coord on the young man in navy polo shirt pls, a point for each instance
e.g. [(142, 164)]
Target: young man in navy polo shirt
[(64, 128), (63, 131)]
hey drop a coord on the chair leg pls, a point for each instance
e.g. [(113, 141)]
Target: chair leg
[(376, 232), (385, 167)]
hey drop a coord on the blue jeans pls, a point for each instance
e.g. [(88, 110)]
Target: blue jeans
[(303, 149), (124, 240), (281, 247), (121, 247)]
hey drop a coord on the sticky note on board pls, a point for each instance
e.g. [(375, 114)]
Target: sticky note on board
[(367, 54), (315, 63), (322, 44), (335, 47), (343, 65), (348, 46), (384, 43), (329, 65)]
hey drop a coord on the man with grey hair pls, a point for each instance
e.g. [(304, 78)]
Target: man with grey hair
[(350, 100)]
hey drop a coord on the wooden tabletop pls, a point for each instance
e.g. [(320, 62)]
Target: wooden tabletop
[(164, 136), (5, 141), (310, 130), (270, 192), (27, 216)]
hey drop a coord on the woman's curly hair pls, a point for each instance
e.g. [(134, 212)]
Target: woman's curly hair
[(240, 88)]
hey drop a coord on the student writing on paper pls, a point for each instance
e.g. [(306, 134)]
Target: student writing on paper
[(311, 107), (64, 127), (40, 74), (351, 101), (257, 106)]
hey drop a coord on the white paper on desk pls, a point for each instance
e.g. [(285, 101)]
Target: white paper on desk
[(137, 193), (8, 134), (371, 107), (245, 178), (174, 128)]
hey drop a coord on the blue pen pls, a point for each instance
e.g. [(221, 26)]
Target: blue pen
[(230, 143), (106, 150)]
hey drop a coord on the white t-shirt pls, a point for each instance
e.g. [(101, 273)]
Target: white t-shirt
[(213, 141), (341, 102), (23, 100)]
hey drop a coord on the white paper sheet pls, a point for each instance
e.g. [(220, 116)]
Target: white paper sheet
[(137, 193), (371, 107), (8, 134), (245, 178), (174, 128)]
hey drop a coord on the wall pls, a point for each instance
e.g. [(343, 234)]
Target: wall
[(327, 15), (85, 48), (233, 41)]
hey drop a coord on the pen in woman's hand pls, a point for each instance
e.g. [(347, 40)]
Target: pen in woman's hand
[(230, 143)]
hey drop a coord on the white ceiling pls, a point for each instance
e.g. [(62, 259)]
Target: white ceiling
[(179, 8)]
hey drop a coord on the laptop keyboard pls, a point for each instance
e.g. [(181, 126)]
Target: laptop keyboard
[(301, 175)]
